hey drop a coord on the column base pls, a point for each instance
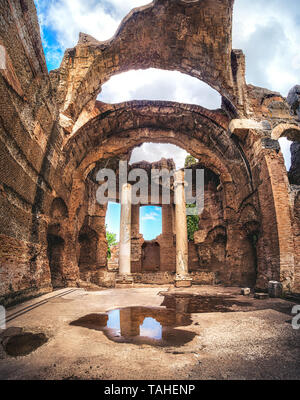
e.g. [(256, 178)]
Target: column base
[(124, 281), (183, 281)]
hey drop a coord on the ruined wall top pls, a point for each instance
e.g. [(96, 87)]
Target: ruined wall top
[(194, 37)]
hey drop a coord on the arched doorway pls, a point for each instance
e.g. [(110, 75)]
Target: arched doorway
[(88, 240), (56, 257), (150, 256), (56, 242)]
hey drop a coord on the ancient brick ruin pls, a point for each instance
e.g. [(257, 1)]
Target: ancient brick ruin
[(55, 135)]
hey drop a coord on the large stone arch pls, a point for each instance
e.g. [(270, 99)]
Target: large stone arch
[(290, 131), (152, 120), (117, 129), (197, 42)]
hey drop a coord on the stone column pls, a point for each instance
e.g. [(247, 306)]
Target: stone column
[(182, 277), (124, 276)]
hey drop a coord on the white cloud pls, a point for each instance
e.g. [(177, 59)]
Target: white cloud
[(268, 33), (70, 17), (152, 216), (155, 151), (99, 18)]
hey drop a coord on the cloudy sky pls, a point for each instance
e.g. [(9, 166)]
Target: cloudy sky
[(150, 220), (267, 31)]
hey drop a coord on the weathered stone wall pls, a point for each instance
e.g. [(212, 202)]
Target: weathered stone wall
[(296, 225), (167, 278), (294, 173), (29, 143), (53, 133), (91, 240), (150, 256), (223, 242), (269, 178)]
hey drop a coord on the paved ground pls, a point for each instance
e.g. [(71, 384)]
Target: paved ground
[(251, 339)]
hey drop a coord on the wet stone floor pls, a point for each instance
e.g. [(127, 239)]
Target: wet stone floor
[(150, 333)]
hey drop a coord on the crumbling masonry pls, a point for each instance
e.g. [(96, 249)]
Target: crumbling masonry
[(54, 135)]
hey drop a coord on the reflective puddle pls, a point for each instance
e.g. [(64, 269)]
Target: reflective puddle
[(159, 326), (140, 325)]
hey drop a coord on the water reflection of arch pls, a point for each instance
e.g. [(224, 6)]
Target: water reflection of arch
[(132, 318)]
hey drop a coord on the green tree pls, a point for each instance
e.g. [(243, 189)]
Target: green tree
[(192, 222), (189, 161), (111, 241)]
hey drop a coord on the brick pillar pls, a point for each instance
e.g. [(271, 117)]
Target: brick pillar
[(276, 253), (166, 240), (279, 184), (136, 238)]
